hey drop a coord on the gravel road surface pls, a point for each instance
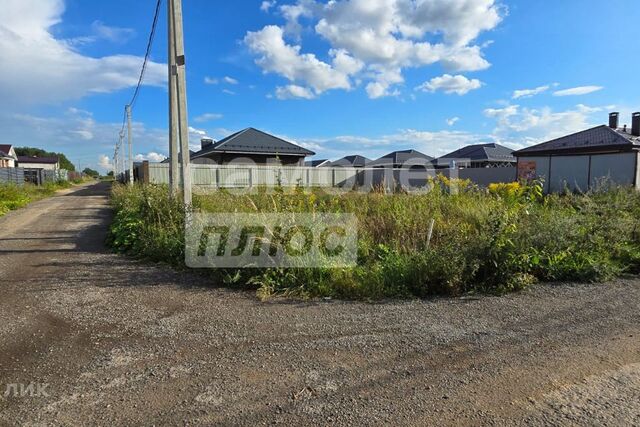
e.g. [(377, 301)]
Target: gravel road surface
[(114, 341)]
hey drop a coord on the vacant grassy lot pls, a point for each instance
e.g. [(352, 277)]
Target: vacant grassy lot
[(13, 197), (499, 240)]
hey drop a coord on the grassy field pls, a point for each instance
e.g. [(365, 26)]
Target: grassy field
[(14, 197), (497, 240)]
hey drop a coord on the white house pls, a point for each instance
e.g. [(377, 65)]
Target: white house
[(46, 163), (8, 156)]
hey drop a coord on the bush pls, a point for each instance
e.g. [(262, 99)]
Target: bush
[(498, 240)]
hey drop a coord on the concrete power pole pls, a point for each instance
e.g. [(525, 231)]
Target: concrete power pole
[(174, 178), (130, 137), (175, 17)]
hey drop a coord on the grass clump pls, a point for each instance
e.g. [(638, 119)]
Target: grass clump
[(497, 240), (13, 197)]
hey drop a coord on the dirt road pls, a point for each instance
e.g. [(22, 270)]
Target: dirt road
[(112, 341)]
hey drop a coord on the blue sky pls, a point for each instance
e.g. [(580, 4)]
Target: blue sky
[(350, 77)]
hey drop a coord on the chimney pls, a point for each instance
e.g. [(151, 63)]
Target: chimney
[(206, 142), (613, 120), (635, 124)]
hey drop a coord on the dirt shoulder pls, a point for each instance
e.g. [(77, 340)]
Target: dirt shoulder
[(118, 341)]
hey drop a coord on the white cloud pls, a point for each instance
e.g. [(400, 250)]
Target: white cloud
[(104, 162), (230, 80), (528, 93), (433, 143), (211, 80), (530, 126), (451, 84), (294, 91), (266, 5), (77, 134), (228, 92), (580, 90), (38, 68), (379, 36), (276, 56), (112, 34), (452, 121), (151, 157), (207, 117), (197, 132)]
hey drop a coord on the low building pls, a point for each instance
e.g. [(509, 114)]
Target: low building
[(250, 146), (403, 158), (38, 169), (489, 155), (587, 159), (43, 163), (354, 161), (8, 157)]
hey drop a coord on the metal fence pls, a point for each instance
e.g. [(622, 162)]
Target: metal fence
[(241, 176), (19, 176), (12, 176)]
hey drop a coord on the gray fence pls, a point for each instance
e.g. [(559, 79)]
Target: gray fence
[(240, 176), (12, 176)]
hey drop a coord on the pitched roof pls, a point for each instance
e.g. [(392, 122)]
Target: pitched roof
[(352, 161), (254, 141), (594, 139), (46, 160), (6, 149), (317, 163), (4, 155), (411, 157), (491, 152)]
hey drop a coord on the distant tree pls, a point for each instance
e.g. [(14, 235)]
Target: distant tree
[(91, 172), (39, 152), (110, 174)]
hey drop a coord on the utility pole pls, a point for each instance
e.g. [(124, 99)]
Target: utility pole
[(121, 167), (175, 16), (130, 137), (174, 179)]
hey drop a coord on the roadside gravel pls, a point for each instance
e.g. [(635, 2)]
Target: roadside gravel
[(119, 342)]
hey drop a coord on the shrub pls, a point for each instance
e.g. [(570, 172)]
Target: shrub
[(498, 240)]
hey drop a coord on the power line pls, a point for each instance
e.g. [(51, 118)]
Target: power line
[(147, 54)]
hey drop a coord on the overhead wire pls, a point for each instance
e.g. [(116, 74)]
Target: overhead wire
[(136, 92)]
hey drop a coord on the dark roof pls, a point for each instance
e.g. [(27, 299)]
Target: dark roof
[(411, 157), (317, 163), (5, 155), (352, 161), (253, 141), (491, 152), (5, 148), (595, 139), (27, 159), (168, 159)]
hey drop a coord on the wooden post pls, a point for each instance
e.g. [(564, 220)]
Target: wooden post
[(145, 172)]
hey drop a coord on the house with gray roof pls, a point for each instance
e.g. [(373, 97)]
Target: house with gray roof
[(317, 163), (490, 155), (250, 146), (586, 160), (355, 161), (402, 158)]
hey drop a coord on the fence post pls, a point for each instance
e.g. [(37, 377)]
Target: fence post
[(145, 172)]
